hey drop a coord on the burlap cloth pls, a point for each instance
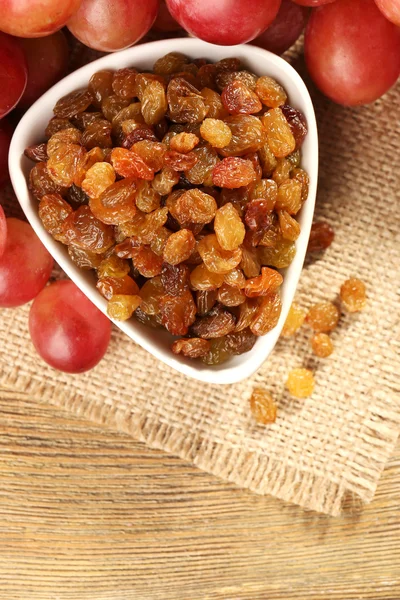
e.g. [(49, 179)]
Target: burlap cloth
[(320, 449)]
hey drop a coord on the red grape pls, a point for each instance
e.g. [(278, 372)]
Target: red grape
[(285, 29), (6, 132), (67, 330), (25, 266), (313, 3), (35, 18), (225, 22), (165, 21), (47, 60), (3, 231), (111, 26), (13, 73), (352, 52), (391, 10)]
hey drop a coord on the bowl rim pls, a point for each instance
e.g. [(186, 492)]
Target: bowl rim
[(237, 368)]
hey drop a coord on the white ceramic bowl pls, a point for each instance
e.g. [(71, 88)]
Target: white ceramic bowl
[(30, 131)]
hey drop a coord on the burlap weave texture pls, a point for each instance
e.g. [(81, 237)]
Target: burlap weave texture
[(320, 449)]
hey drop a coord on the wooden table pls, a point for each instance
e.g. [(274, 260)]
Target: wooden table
[(88, 514)]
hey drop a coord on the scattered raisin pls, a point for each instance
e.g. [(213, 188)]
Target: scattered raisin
[(321, 237), (353, 295), (323, 317), (300, 383), (322, 345), (263, 407)]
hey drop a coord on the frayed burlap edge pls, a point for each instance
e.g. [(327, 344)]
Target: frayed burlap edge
[(259, 473)]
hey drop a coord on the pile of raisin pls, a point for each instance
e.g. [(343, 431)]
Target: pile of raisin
[(180, 188)]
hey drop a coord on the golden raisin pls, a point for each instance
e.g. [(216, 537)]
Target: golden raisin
[(113, 266), (216, 259), (230, 296), (279, 135), (97, 179), (213, 103), (263, 407), (191, 347), (270, 92), (353, 295), (263, 284), (290, 228), (110, 286), (179, 246), (279, 256), (216, 132), (294, 320), (267, 314), (235, 278), (323, 317), (322, 345), (289, 197), (229, 227), (233, 172), (195, 206), (122, 306), (204, 280), (184, 142), (300, 383)]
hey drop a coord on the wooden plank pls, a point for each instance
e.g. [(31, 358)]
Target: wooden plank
[(90, 514)]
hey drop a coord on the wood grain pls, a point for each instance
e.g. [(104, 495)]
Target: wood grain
[(89, 514)]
